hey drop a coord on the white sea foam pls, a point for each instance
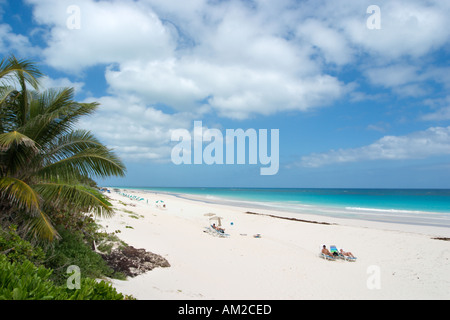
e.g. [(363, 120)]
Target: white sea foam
[(389, 210)]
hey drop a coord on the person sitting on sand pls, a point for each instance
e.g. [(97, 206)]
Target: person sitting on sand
[(325, 251), (347, 254)]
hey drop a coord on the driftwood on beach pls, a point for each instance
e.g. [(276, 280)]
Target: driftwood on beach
[(286, 218)]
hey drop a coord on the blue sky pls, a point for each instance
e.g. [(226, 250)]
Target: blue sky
[(355, 106)]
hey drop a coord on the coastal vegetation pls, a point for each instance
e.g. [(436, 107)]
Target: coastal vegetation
[(48, 196)]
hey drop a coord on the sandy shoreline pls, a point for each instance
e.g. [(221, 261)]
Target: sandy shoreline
[(394, 261)]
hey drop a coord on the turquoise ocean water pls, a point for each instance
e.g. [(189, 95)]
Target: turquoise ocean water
[(411, 206)]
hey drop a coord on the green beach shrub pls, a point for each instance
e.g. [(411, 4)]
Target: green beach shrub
[(108, 241), (90, 289), (18, 249), (25, 281), (73, 250)]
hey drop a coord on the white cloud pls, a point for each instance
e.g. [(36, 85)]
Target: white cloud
[(157, 81), (234, 91), (238, 64), (441, 108), (332, 43), (236, 59), (392, 56), (408, 28), (422, 144), (392, 76), (133, 129), (109, 32), (236, 55), (406, 79), (238, 67), (47, 82), (12, 42)]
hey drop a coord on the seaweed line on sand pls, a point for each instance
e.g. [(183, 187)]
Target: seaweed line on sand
[(286, 218)]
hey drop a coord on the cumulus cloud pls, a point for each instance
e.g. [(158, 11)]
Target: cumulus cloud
[(331, 43), (233, 59), (390, 57), (422, 144), (237, 58), (408, 28), (46, 82), (395, 75), (108, 32), (233, 91), (441, 109), (12, 42), (237, 65), (134, 130)]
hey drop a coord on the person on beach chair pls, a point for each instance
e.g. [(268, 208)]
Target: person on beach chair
[(326, 253), (348, 256), (217, 228)]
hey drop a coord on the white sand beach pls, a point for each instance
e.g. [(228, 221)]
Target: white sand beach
[(393, 261)]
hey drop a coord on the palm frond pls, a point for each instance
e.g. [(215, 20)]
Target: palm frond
[(75, 112), (11, 68), (42, 157), (5, 94), (15, 138), (8, 108), (17, 152), (94, 161), (54, 113), (41, 228), (70, 144), (19, 194), (78, 197)]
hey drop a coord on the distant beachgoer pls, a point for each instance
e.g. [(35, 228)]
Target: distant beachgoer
[(217, 228), (347, 254), (325, 251)]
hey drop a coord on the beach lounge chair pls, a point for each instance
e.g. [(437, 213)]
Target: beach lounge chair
[(334, 251), (347, 258), (211, 230), (326, 256), (351, 259)]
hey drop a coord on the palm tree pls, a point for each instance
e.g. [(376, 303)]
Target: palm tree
[(43, 158)]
